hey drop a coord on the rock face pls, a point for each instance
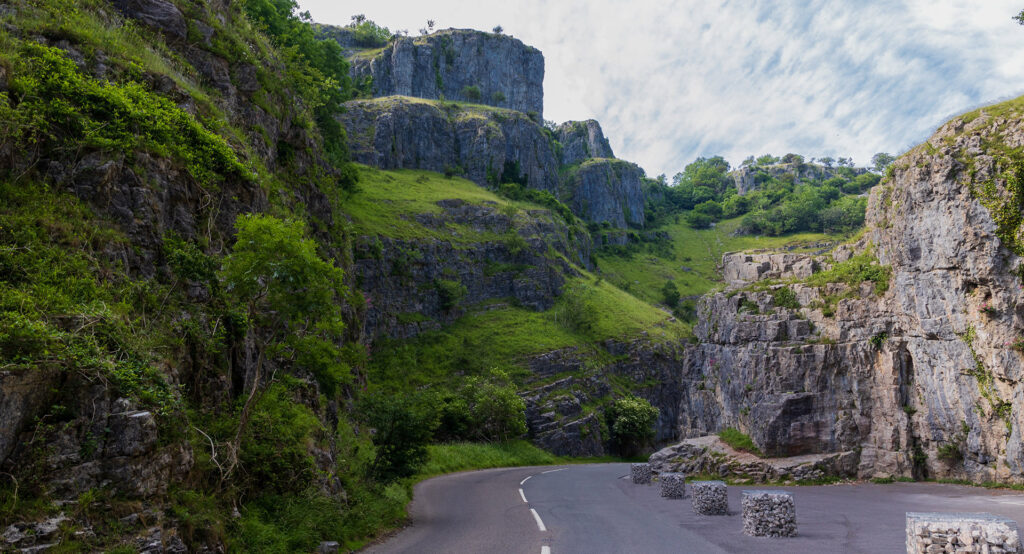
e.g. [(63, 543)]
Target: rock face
[(581, 141), (739, 268), (460, 64), (402, 279), (607, 191), (922, 380), (159, 14), (746, 177), (556, 419), (487, 146)]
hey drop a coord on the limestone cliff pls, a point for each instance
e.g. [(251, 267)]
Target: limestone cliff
[(606, 191), (581, 141), (459, 64), (921, 378), (486, 145)]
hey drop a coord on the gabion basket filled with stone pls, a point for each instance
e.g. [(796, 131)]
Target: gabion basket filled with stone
[(769, 514), (709, 498), (641, 474), (929, 532), (673, 485)]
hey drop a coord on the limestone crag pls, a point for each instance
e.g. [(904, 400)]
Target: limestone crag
[(556, 413), (923, 379), (459, 64), (607, 191), (746, 177), (400, 277), (486, 145), (581, 141), (740, 268)]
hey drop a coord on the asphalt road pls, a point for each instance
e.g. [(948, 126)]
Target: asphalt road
[(596, 509)]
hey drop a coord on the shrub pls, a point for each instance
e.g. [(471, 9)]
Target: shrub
[(670, 294), (403, 427), (784, 297), (576, 309), (498, 97), (368, 34), (878, 341), (472, 92), (739, 440), (450, 292), (631, 424)]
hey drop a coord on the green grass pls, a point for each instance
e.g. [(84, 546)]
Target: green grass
[(388, 202), (739, 441), (463, 456), (504, 338), (700, 250)]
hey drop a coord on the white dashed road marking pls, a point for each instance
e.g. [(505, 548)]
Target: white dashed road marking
[(525, 480), (545, 550), (554, 470), (522, 495), (540, 524)]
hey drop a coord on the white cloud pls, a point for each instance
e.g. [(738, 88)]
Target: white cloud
[(670, 81)]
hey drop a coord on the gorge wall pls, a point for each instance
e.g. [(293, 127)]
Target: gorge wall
[(460, 64), (920, 379)]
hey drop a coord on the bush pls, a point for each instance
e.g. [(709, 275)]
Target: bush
[(576, 309), (403, 427), (498, 97), (739, 440), (472, 93), (670, 294), (697, 220), (450, 292), (784, 297), (631, 424), (368, 34)]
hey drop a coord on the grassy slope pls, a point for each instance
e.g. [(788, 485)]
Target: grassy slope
[(487, 337), (645, 273)]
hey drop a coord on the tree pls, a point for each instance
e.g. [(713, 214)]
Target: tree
[(827, 161), (290, 299), (430, 24), (498, 30), (403, 426), (1019, 18), (631, 424), (670, 294), (881, 161)]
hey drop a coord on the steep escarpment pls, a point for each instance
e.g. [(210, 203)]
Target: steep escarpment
[(606, 191), (904, 349), (748, 177), (459, 64), (486, 145), (582, 140)]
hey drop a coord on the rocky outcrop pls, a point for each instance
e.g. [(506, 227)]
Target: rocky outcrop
[(404, 279), (560, 414), (606, 191), (746, 177), (459, 64), (740, 268), (486, 145), (581, 141), (922, 380), (710, 456), (159, 14)]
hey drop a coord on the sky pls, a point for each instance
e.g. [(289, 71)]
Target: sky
[(673, 80)]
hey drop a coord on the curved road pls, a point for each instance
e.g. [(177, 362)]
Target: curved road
[(596, 509)]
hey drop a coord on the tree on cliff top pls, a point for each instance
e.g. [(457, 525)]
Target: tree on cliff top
[(1019, 18)]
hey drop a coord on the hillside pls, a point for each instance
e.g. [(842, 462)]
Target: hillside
[(258, 276)]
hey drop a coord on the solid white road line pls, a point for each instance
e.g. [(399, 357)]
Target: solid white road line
[(554, 470), (522, 495), (525, 480), (540, 524), (545, 550)]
